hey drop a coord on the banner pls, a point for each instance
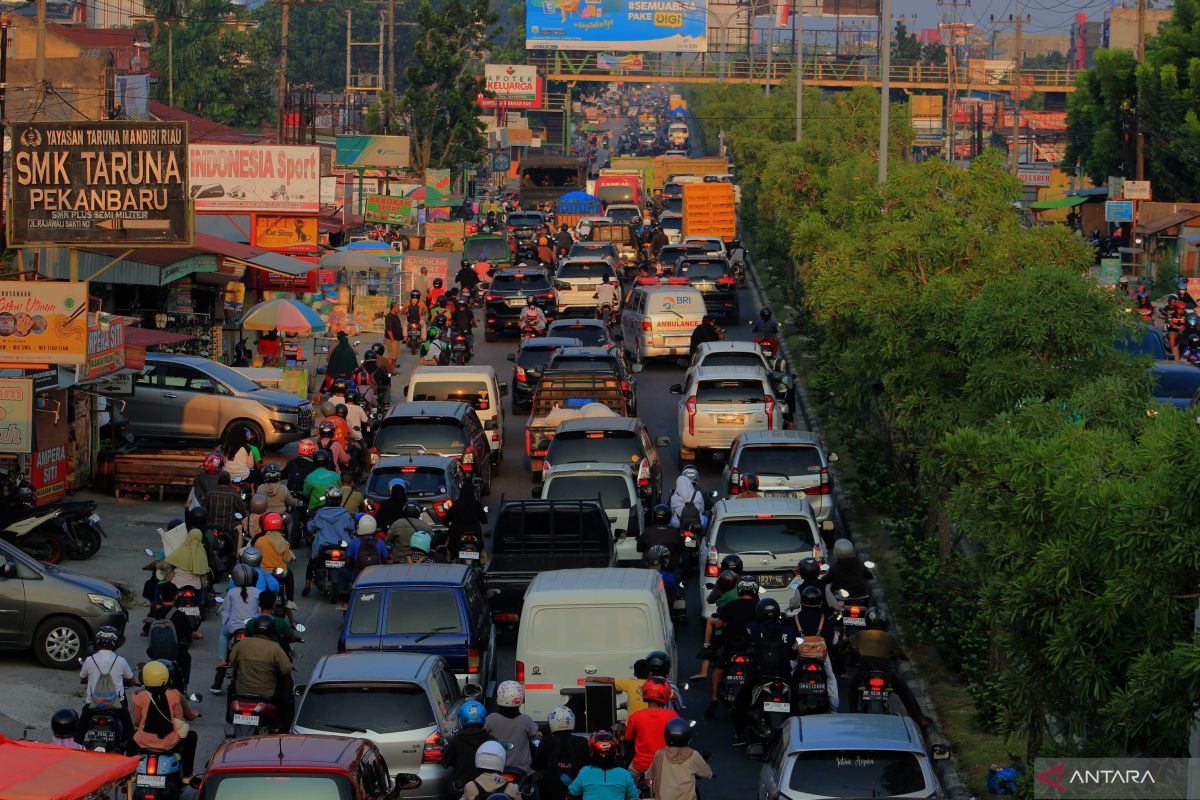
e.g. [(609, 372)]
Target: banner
[(105, 351), (381, 152), (329, 190), (48, 464), (16, 415), (387, 208), (614, 62), (422, 266), (43, 322), (437, 186), (111, 183), (285, 234), (657, 26), (450, 234), (255, 177), (369, 311), (515, 86)]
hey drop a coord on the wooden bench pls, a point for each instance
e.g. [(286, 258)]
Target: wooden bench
[(157, 472)]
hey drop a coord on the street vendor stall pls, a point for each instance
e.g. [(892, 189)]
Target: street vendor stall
[(35, 771)]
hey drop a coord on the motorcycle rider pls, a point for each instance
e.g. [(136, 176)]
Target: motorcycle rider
[(512, 729), (748, 487), (320, 480), (436, 291), (563, 239), (809, 573), (356, 415), (106, 675), (331, 526), (532, 317), (432, 349), (607, 294), (1176, 317), (483, 271), (366, 550), (848, 573), (279, 498), (675, 768), (416, 311), (64, 727), (329, 443), (658, 558), (644, 731), (490, 761), (297, 469), (813, 620), (602, 779), (1189, 336), (661, 532), (765, 328), (878, 650), (733, 622), (185, 633), (560, 756), (421, 550), (459, 755), (392, 507), (155, 712), (263, 669), (206, 479), (223, 503), (467, 278), (241, 603), (772, 646), (688, 508), (706, 331), (463, 321)]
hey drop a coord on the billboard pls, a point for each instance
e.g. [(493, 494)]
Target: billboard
[(43, 322), (255, 177), (113, 183), (372, 152), (659, 26), (388, 209), (285, 234), (16, 415), (515, 86)]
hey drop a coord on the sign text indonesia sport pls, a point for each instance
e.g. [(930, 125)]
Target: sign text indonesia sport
[(673, 26)]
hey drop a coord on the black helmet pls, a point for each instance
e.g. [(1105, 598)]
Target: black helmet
[(263, 625), (243, 575), (377, 348), (726, 581), (196, 517), (437, 283), (678, 733), (352, 396), (657, 557), (877, 618), (661, 514), (732, 562), (333, 495), (809, 569), (767, 610), (748, 585), (340, 386), (811, 597), (659, 663), (414, 295), (64, 723), (321, 458), (398, 490), (341, 410), (765, 313), (272, 473), (326, 429)]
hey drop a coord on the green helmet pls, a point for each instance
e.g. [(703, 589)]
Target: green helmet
[(433, 332)]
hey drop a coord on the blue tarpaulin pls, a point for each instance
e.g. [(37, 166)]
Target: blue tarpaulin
[(578, 203)]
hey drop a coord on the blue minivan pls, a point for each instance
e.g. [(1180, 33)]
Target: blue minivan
[(438, 609)]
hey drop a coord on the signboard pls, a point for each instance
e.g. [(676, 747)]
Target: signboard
[(48, 463), (613, 62), (1136, 190), (657, 26), (450, 232), (387, 208), (515, 86), (329, 190), (1118, 211), (1110, 271), (1116, 187), (43, 322), (381, 152), (43, 379), (1034, 177), (105, 351), (16, 415), (255, 177), (112, 183), (422, 266), (437, 186), (285, 234), (500, 162)]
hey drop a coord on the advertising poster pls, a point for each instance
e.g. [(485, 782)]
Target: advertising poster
[(369, 311), (444, 235), (379, 152), (422, 266), (614, 62), (48, 467), (437, 186), (105, 351), (387, 209), (43, 322), (515, 86), (16, 415), (255, 177), (656, 26), (111, 183), (285, 234)]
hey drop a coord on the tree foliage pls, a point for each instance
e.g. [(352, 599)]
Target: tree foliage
[(317, 39), (908, 49)]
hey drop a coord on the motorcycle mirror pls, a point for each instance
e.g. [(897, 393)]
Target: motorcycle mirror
[(691, 723), (196, 697), (148, 551), (218, 599), (869, 564), (238, 515), (280, 570), (300, 627), (713, 494), (843, 594), (344, 543)]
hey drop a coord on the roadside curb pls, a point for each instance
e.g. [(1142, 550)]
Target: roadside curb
[(848, 520)]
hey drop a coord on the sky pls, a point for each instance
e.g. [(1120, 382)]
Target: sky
[(1048, 15)]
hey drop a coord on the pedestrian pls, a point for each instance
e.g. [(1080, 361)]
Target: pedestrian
[(393, 331), (342, 360)]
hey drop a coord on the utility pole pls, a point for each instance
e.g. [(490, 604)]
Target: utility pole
[(885, 86), (391, 46), (798, 35), (1140, 140), (40, 58), (171, 65), (346, 94), (381, 48), (283, 61), (1015, 155)]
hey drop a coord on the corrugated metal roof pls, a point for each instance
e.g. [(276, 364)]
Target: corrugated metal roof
[(55, 263), (1169, 221)]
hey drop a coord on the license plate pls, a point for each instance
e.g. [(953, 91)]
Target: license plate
[(854, 622), (245, 719), (191, 611), (689, 542), (153, 781), (467, 554), (94, 519), (871, 694), (330, 564), (774, 580), (785, 708), (736, 678), (730, 419), (515, 302), (811, 688)]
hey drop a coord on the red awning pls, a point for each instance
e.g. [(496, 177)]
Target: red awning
[(35, 771), (148, 337)]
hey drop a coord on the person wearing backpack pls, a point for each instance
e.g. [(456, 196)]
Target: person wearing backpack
[(330, 526), (560, 756), (490, 759), (365, 551), (169, 633), (106, 675), (688, 511)]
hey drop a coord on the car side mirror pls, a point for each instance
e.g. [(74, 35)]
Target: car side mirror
[(636, 368), (831, 457), (298, 691), (676, 388), (472, 690), (939, 752), (512, 357), (869, 564), (662, 441), (504, 384)]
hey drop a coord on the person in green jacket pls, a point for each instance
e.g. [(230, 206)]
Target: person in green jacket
[(320, 480)]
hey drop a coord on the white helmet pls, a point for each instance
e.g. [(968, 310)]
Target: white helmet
[(490, 757), (367, 525), (510, 694), (561, 719), (692, 474)]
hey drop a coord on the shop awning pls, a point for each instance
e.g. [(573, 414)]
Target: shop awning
[(1169, 221), (149, 337), (251, 256), (1063, 202), (34, 771)]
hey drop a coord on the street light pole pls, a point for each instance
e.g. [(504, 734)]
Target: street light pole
[(798, 35), (885, 86)]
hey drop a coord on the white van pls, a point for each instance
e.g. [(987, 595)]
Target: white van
[(475, 385), (618, 496), (581, 622), (659, 320)]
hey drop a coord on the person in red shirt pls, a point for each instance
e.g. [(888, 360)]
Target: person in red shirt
[(646, 729)]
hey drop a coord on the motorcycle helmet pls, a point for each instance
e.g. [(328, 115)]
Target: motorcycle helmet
[(657, 690), (272, 521), (196, 518), (243, 575), (367, 525), (327, 429), (340, 386), (747, 586), (258, 503), (333, 496), (341, 410), (414, 295), (252, 556), (411, 510), (64, 723), (263, 625), (490, 757), (764, 313), (327, 408), (421, 540), (530, 300), (472, 714), (107, 638), (749, 482), (877, 618), (659, 663), (25, 495), (509, 694), (602, 745), (726, 581), (767, 610), (322, 459), (809, 569), (677, 733), (272, 473), (732, 563), (377, 348), (398, 490), (812, 597), (307, 447), (661, 514), (433, 332), (843, 548), (214, 463), (437, 283), (657, 557), (155, 675), (352, 396), (692, 474), (561, 719)]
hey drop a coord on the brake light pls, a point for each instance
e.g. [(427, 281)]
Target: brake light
[(431, 753), (690, 406), (335, 554), (520, 375), (152, 765), (823, 488), (374, 455), (812, 666), (876, 684), (483, 405), (528, 442), (624, 386), (491, 297), (443, 508), (713, 569), (473, 661), (408, 470), (762, 516), (726, 281), (646, 325), (547, 295), (769, 402), (505, 617), (818, 553), (643, 478), (520, 672), (739, 659), (854, 611)]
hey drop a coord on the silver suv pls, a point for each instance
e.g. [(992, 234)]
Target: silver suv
[(787, 463), (188, 397)]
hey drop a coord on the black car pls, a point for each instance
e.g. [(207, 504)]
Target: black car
[(528, 363), (439, 427), (524, 227), (506, 299), (715, 281), (592, 332), (434, 482), (671, 254), (600, 359)]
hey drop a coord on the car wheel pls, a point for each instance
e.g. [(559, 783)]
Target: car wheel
[(59, 641), (233, 427)]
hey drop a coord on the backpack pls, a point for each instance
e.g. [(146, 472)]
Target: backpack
[(772, 655), (164, 642), (368, 555), (814, 647), (105, 694), (689, 516)]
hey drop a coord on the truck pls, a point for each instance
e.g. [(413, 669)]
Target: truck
[(643, 164), (709, 209), (545, 178), (532, 536), (564, 394), (665, 166), (621, 186), (677, 134), (622, 236)]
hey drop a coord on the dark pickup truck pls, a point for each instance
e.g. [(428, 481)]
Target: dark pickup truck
[(532, 536), (563, 394)]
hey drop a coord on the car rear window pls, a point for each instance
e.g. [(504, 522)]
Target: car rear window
[(701, 269), (779, 459), (672, 223), (732, 359), (778, 534), (597, 363), (624, 215), (856, 773), (460, 390), (422, 481), (525, 220), (595, 270), (422, 611), (618, 628), (672, 254), (729, 391), (359, 709), (590, 335), (613, 447), (707, 245), (674, 204), (520, 282), (535, 356), (434, 434), (486, 250), (612, 490), (672, 190), (279, 785), (590, 248)]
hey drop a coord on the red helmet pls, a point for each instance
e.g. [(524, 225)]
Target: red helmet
[(602, 743), (272, 521), (214, 463), (657, 690), (749, 482), (307, 447)]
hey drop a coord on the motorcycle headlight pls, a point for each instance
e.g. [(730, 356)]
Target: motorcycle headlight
[(105, 603)]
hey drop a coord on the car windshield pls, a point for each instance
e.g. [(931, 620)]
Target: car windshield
[(672, 190), (707, 245), (730, 391), (672, 223), (613, 490), (778, 534), (520, 282), (616, 193), (362, 709), (422, 481), (611, 447), (779, 459), (591, 269), (422, 611), (458, 390), (487, 249), (700, 269), (732, 359), (857, 773), (435, 435), (525, 220), (279, 785), (590, 335)]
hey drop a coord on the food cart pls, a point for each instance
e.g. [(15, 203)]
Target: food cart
[(35, 771)]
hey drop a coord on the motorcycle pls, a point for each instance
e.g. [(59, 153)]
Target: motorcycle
[(529, 332), (38, 532), (188, 601), (104, 732), (470, 550), (811, 693), (770, 706), (769, 345), (874, 693), (251, 715), (159, 774), (460, 351), (479, 295), (1190, 350), (83, 528), (329, 561), (687, 558), (735, 678), (414, 337)]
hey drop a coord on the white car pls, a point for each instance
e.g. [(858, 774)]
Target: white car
[(787, 464), (718, 403), (618, 496), (576, 281), (672, 225), (713, 245), (585, 224)]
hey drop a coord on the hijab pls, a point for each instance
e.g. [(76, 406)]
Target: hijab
[(342, 361), (190, 556), (157, 721)]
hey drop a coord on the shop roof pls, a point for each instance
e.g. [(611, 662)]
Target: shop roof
[(1169, 221), (201, 129), (1062, 202), (35, 771)]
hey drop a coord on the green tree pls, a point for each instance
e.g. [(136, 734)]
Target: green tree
[(1054, 60), (511, 46), (317, 39), (906, 48), (1099, 116)]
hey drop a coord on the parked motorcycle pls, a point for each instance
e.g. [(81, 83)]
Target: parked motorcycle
[(38, 532)]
